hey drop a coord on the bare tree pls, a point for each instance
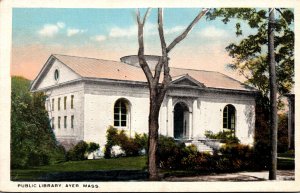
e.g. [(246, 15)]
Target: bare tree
[(157, 89)]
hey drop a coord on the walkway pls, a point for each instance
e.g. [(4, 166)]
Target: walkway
[(239, 176)]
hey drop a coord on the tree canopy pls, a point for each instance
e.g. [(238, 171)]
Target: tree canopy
[(250, 54), (32, 139)]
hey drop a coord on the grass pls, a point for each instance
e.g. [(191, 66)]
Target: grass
[(124, 163)]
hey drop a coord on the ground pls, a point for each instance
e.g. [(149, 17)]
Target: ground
[(238, 176), (132, 168)]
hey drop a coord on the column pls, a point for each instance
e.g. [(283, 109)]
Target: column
[(190, 124), (170, 130), (195, 119)]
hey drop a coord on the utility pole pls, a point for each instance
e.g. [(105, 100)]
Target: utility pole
[(273, 96)]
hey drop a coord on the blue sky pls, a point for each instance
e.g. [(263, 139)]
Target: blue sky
[(111, 34)]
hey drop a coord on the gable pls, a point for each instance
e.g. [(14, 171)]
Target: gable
[(52, 68), (186, 80)]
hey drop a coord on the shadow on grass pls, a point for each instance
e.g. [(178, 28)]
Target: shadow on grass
[(112, 175)]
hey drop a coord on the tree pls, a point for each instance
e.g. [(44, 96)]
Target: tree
[(158, 90), (251, 53), (251, 60), (273, 96), (32, 139)]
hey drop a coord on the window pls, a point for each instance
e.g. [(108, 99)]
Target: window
[(56, 74), (229, 117), (65, 122), (58, 122), (65, 102), (58, 104), (52, 122), (52, 108), (72, 101), (120, 113), (72, 121)]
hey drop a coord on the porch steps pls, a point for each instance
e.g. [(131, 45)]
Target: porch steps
[(201, 147)]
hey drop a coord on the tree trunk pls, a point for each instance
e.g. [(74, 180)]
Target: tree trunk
[(153, 137), (273, 97)]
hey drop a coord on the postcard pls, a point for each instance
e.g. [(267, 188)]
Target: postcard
[(149, 96)]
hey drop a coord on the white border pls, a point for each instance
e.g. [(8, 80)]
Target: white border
[(5, 58)]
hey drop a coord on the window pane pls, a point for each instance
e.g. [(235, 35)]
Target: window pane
[(116, 123), (123, 110), (116, 117), (72, 121), (123, 123), (65, 122), (123, 117)]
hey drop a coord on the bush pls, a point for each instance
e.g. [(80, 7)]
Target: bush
[(131, 147), (224, 136), (78, 152), (92, 147), (170, 152), (241, 157)]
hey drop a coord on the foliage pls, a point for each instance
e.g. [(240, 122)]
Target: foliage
[(81, 150), (232, 157), (282, 133), (241, 157), (169, 152), (224, 136), (131, 146), (78, 152), (261, 135), (92, 147), (32, 140), (250, 54)]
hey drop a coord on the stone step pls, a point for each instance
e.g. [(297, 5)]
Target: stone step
[(201, 147)]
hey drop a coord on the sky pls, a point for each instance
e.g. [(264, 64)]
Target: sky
[(112, 33)]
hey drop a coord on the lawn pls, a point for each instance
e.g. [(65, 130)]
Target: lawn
[(124, 163), (109, 168)]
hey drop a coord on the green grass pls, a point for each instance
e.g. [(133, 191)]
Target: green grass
[(124, 163)]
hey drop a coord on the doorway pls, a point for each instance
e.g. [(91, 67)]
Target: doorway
[(181, 121)]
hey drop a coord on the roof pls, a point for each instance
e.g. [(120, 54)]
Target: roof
[(115, 70)]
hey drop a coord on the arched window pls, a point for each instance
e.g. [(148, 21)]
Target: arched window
[(121, 113), (229, 117)]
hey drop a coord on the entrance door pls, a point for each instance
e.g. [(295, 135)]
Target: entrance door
[(181, 118)]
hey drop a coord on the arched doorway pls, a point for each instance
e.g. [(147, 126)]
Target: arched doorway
[(181, 121)]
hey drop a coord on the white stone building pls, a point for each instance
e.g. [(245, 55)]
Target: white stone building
[(87, 95)]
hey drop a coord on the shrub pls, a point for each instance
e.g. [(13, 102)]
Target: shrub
[(130, 146), (170, 152), (241, 157), (78, 152), (142, 141), (111, 137), (92, 147), (224, 136)]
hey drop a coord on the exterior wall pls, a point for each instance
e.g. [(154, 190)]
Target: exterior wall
[(211, 115), (67, 136), (206, 113), (65, 75), (94, 111), (99, 101)]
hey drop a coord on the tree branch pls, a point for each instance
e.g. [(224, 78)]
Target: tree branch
[(163, 59), (141, 53), (187, 30), (146, 15)]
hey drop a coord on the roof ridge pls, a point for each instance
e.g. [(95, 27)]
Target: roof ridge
[(195, 69), (94, 59), (87, 58)]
